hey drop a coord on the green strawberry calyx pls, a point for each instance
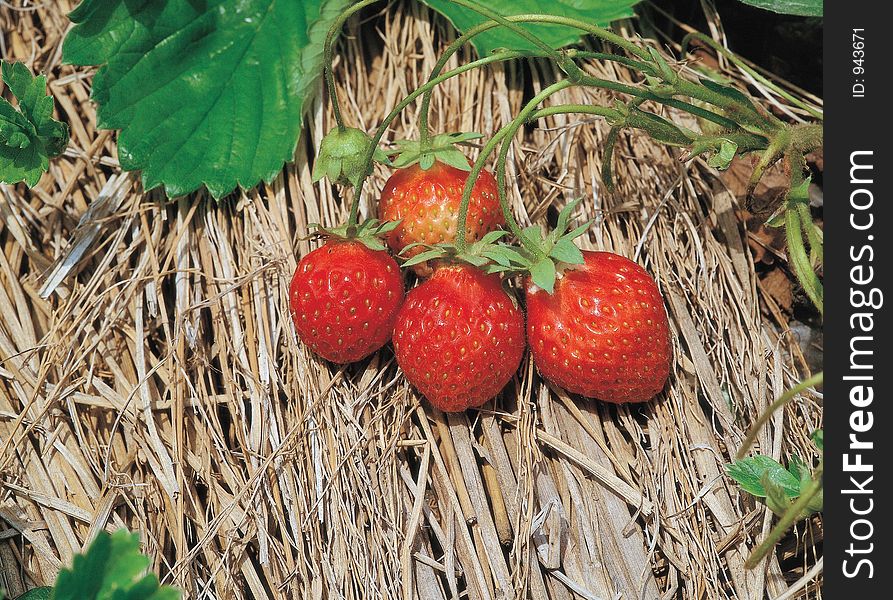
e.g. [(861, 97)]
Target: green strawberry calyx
[(342, 156), (543, 257), (439, 148), (547, 257), (369, 233)]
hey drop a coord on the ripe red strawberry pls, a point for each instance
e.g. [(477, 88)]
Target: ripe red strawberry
[(428, 203), (459, 337), (344, 299), (603, 333)]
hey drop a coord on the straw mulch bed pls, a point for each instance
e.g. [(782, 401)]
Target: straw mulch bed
[(150, 377)]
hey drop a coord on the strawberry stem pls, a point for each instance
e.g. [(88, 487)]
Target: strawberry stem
[(386, 122), (328, 56), (505, 132)]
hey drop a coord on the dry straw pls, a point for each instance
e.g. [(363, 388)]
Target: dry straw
[(150, 377)]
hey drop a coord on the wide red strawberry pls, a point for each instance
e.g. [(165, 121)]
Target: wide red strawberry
[(459, 337), (427, 201), (344, 299), (603, 333)]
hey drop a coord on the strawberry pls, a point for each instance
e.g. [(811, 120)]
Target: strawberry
[(459, 337), (603, 333), (427, 201), (344, 298)]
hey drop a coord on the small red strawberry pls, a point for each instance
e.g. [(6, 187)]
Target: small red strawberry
[(603, 333), (344, 298), (459, 337), (427, 201)]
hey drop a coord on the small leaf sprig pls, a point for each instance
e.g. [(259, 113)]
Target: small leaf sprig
[(29, 135), (792, 497), (112, 568)]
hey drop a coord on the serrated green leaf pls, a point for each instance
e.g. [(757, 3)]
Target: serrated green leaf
[(565, 251), (207, 92), (599, 12), (818, 438), (802, 8), (14, 126), (39, 593), (776, 498), (542, 273), (29, 136), (111, 569), (749, 472)]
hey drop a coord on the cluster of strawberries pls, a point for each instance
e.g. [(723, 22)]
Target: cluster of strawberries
[(460, 335)]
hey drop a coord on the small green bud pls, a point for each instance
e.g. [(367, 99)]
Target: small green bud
[(342, 156)]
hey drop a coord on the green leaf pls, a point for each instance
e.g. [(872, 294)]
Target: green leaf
[(542, 273), (607, 156), (452, 157), (776, 498), (802, 8), (498, 255), (565, 215), (29, 136), (657, 127), (209, 92), (599, 12), (565, 251), (533, 235), (818, 438), (111, 569), (426, 161), (797, 468), (728, 92), (39, 593), (422, 257), (722, 159), (749, 474), (490, 237)]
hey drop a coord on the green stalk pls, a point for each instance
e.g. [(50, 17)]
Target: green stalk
[(585, 109), (506, 132), (383, 127), (746, 113), (641, 66), (719, 48), (509, 22), (786, 397), (328, 55), (791, 515), (800, 259)]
